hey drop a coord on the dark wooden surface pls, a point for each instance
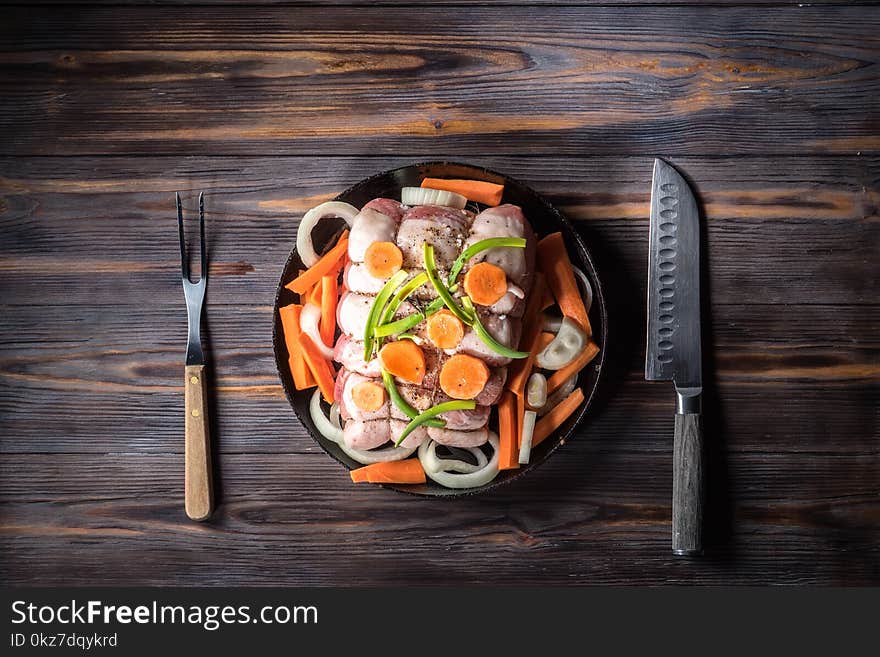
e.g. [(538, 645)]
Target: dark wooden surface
[(772, 112)]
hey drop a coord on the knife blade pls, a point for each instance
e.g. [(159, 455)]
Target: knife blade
[(673, 351)]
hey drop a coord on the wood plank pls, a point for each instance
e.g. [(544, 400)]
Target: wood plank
[(516, 80), (94, 520), (96, 380), (93, 231)]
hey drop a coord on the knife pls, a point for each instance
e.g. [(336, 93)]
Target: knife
[(673, 351)]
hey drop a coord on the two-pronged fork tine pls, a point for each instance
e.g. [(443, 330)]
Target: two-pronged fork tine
[(184, 261), (199, 499)]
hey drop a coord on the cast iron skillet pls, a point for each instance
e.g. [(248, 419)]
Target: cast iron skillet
[(544, 219)]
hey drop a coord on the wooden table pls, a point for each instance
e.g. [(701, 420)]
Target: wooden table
[(773, 112)]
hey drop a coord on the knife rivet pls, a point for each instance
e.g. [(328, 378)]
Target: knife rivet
[(195, 413), (194, 379)]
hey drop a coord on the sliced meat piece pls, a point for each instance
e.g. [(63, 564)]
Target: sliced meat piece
[(347, 408), (338, 387), (416, 438), (419, 398), (370, 226), (423, 398), (357, 279), (366, 435), (505, 330), (493, 388), (452, 438), (375, 433), (444, 228), (468, 420), (349, 352), (387, 206), (505, 221), (352, 313), (509, 304)]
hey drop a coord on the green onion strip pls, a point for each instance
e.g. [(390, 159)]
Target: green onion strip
[(401, 403), (442, 290), (428, 415), (410, 321), (415, 283), (479, 247), (376, 311)]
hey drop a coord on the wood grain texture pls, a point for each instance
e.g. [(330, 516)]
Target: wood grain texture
[(479, 3), (198, 490), (287, 519), (816, 219), (406, 80), (106, 112)]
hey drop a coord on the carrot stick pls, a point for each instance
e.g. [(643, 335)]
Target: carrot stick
[(560, 376), (302, 377), (519, 371), (520, 416), (479, 191), (330, 262), (320, 368), (408, 471), (548, 299), (507, 441), (554, 419), (329, 298), (556, 266), (314, 295)]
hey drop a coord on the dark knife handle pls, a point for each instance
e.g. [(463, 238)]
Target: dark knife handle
[(687, 485)]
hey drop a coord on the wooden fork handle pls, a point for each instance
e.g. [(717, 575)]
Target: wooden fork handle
[(198, 493)]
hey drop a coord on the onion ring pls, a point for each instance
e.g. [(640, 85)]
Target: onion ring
[(585, 284), (304, 245), (474, 479), (331, 429)]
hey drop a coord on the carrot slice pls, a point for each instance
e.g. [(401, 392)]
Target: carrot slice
[(404, 359), (329, 299), (556, 266), (408, 471), (383, 259), (560, 413), (302, 377), (463, 376), (479, 191), (320, 368), (445, 330), (485, 283), (329, 263), (560, 376), (368, 395)]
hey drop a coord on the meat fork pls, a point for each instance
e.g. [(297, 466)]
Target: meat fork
[(198, 493)]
